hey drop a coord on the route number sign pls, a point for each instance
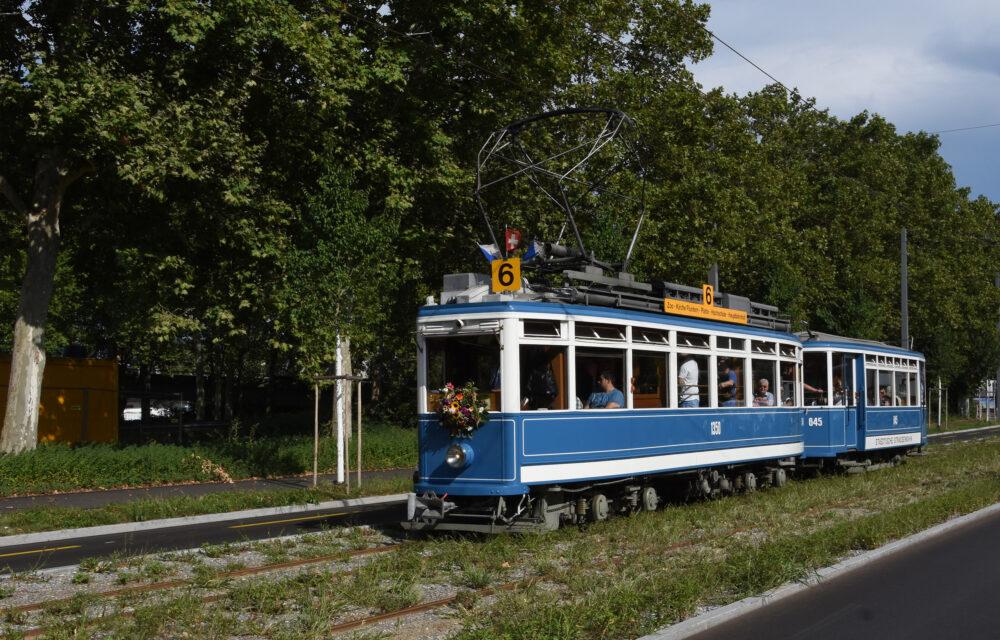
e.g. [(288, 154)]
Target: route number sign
[(708, 295), (507, 275)]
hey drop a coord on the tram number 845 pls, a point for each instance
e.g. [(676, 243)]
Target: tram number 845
[(815, 422)]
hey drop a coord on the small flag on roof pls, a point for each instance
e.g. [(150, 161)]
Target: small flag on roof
[(490, 251), (533, 250), (513, 239)]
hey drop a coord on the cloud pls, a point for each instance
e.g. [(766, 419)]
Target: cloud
[(923, 65)]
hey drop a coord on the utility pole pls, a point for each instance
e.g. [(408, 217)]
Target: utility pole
[(904, 295)]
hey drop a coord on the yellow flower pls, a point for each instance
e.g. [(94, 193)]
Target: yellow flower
[(455, 406)]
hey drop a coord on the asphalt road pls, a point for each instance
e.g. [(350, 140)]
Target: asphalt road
[(944, 587), (71, 551)]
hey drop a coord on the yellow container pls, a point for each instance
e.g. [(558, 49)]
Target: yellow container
[(79, 399)]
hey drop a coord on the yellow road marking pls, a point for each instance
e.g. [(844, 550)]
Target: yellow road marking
[(22, 553), (261, 524)]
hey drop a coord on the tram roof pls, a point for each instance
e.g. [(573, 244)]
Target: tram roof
[(611, 313), (818, 338)]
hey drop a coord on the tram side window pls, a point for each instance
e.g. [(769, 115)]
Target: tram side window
[(914, 389), (815, 382), (840, 374), (871, 388), (764, 379), (590, 364), (901, 394), (692, 380), (649, 379), (732, 373), (789, 375), (460, 360), (885, 388), (543, 377)]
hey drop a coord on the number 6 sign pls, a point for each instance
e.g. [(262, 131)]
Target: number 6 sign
[(506, 275)]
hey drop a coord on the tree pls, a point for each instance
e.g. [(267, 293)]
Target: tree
[(155, 97)]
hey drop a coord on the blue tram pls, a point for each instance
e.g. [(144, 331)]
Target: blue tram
[(707, 406), (693, 405), (863, 401)]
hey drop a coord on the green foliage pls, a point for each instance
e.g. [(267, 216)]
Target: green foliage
[(61, 467), (263, 177)]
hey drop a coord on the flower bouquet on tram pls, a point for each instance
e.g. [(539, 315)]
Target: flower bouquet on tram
[(462, 410)]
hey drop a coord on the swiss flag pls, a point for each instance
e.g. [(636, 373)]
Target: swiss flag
[(513, 239)]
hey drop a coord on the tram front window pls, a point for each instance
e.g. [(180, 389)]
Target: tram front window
[(461, 360)]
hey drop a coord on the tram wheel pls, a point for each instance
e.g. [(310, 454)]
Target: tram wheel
[(749, 482), (598, 507), (649, 499), (779, 478)]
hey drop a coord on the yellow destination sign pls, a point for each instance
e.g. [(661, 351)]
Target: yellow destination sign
[(704, 311)]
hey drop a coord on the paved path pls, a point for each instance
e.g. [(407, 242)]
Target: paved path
[(95, 499)]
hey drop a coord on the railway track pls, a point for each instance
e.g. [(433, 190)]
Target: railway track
[(369, 621)]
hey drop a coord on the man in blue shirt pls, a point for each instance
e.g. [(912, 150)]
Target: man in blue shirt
[(608, 397)]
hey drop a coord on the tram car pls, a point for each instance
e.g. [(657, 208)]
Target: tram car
[(863, 402), (711, 405)]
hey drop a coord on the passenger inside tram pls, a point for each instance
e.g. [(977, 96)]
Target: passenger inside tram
[(762, 397), (608, 397)]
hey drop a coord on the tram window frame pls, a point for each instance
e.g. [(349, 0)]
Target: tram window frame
[(556, 358), (703, 363), (689, 340), (729, 343), (485, 372), (786, 350), (922, 377), (763, 347), (529, 326), (642, 335), (901, 393), (871, 387), (738, 365), (842, 397), (599, 332), (813, 373), (639, 382), (604, 358), (763, 368), (915, 395), (787, 385), (884, 382)]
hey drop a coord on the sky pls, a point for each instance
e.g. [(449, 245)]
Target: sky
[(923, 66)]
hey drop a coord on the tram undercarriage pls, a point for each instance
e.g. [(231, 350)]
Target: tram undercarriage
[(547, 508)]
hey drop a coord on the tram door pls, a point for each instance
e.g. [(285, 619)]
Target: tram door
[(854, 382), (842, 378)]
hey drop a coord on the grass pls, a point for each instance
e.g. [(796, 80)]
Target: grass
[(957, 423), (60, 467)]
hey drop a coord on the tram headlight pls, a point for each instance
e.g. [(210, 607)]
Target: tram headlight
[(458, 455)]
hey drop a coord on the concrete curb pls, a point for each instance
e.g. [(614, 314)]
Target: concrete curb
[(112, 529), (707, 620)]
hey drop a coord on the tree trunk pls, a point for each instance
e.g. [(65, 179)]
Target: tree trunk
[(20, 425)]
